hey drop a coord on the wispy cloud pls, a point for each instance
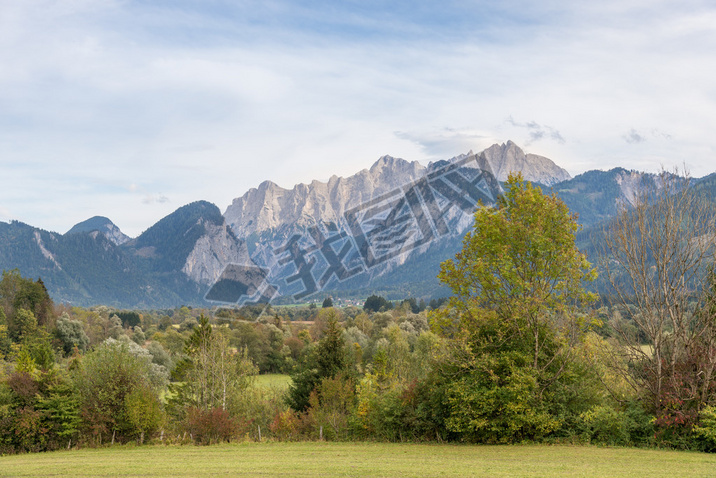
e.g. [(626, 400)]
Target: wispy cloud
[(633, 137), (155, 198), (537, 132), (660, 134), (445, 142)]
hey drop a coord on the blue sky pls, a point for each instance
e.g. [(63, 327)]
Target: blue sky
[(130, 109)]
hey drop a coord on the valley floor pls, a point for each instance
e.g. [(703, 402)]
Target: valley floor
[(361, 459)]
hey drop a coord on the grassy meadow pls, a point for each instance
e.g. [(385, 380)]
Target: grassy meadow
[(361, 459), (273, 380)]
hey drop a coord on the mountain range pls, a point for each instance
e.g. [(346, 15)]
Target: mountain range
[(382, 230)]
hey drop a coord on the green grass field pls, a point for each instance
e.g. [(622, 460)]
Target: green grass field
[(273, 380), (361, 459)]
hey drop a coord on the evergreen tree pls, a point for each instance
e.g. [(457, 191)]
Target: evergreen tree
[(376, 303), (330, 355), (326, 360)]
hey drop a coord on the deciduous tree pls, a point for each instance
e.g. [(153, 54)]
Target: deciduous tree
[(658, 257), (71, 334), (104, 380), (216, 373), (518, 284)]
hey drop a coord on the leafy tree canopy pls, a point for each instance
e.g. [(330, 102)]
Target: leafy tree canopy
[(520, 260), (517, 282)]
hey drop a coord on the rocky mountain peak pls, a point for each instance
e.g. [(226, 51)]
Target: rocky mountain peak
[(508, 157), (386, 162), (270, 206), (268, 185), (102, 225), (389, 172), (194, 239)]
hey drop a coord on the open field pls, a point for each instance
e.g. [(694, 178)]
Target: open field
[(361, 459), (273, 380)]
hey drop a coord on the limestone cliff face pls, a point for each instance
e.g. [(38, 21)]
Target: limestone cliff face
[(114, 234), (270, 206), (212, 252), (46, 253), (508, 157), (195, 240), (270, 217), (631, 184)]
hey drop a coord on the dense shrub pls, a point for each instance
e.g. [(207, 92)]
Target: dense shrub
[(605, 425), (331, 406), (211, 426), (286, 426), (258, 408), (611, 425), (104, 380), (706, 429)]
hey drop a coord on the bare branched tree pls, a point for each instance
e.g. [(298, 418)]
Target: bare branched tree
[(658, 257)]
